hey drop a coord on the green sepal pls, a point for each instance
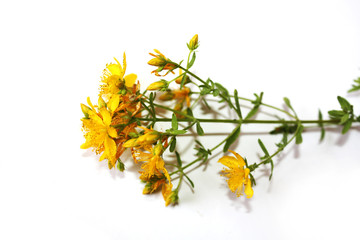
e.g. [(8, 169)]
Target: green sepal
[(120, 165)]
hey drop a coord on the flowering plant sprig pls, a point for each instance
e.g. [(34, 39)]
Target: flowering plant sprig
[(126, 119)]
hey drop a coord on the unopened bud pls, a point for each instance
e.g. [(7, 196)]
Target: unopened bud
[(169, 95), (85, 109), (159, 85), (130, 143), (193, 44), (180, 78), (148, 138), (101, 102)]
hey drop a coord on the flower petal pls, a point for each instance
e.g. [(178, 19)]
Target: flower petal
[(130, 80), (106, 116), (229, 161), (113, 102), (241, 160)]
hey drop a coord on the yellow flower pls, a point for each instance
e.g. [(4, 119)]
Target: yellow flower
[(99, 134), (153, 183), (153, 164), (113, 78), (237, 175), (170, 197), (162, 62)]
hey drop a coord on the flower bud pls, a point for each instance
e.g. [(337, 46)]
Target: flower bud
[(168, 95), (158, 149), (179, 79), (159, 85), (148, 138), (85, 109), (193, 44), (130, 143), (101, 102)]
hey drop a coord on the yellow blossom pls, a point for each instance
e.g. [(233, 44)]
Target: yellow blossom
[(99, 134), (113, 78), (162, 62), (153, 164), (170, 197), (237, 175)]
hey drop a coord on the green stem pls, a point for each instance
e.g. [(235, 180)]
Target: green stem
[(244, 121)]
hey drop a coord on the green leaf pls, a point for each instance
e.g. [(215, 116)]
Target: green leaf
[(232, 138), (191, 182), (252, 112), (178, 159), (321, 125), (347, 126), (354, 86), (172, 144), (337, 114), (287, 102), (176, 132), (237, 104), (174, 122), (298, 137), (345, 105), (272, 169), (263, 148), (199, 129), (189, 112), (192, 61), (344, 118)]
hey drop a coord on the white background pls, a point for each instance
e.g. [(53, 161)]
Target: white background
[(52, 54)]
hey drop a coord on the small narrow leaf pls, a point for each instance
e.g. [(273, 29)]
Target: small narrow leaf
[(344, 118), (232, 138), (178, 159), (189, 112), (336, 114), (345, 105), (298, 137), (174, 122), (172, 144), (199, 129), (347, 126), (237, 104), (191, 182), (263, 147), (272, 169), (321, 125)]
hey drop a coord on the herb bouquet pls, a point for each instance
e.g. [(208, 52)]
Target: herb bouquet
[(125, 119)]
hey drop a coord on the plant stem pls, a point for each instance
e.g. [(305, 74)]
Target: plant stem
[(244, 121)]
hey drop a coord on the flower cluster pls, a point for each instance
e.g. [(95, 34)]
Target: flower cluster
[(125, 118)]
